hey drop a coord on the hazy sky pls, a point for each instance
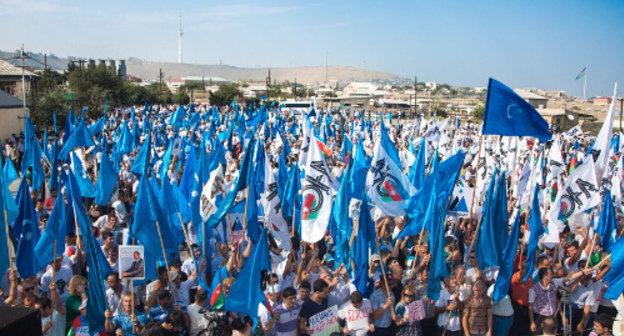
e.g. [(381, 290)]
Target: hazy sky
[(521, 43)]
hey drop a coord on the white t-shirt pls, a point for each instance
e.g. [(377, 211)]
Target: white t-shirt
[(62, 278), (357, 319), (443, 301), (58, 324), (198, 321)]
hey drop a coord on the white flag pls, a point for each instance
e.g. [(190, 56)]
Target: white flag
[(555, 161), (306, 132), (273, 216), (600, 149), (579, 193), (387, 186), (316, 193)]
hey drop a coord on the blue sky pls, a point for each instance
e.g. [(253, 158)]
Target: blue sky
[(521, 43)]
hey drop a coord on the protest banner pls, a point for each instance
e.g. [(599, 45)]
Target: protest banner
[(325, 323)]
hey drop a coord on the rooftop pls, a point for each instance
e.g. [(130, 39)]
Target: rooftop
[(8, 69), (8, 101)]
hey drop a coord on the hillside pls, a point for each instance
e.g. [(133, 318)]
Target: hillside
[(150, 70)]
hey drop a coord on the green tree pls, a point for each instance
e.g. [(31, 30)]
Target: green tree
[(478, 112), (225, 94)]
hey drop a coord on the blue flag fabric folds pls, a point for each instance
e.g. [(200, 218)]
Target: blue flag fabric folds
[(28, 233), (417, 171), (97, 126), (80, 137), (107, 180), (54, 232), (87, 189), (537, 229), (503, 281), (240, 184), (492, 233), (606, 224), (615, 276), (437, 266), (506, 113), (9, 172), (141, 163), (4, 252), (148, 214), (245, 294), (364, 238)]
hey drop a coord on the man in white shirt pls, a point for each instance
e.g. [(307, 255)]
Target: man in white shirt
[(357, 315), (198, 320), (52, 318), (61, 279)]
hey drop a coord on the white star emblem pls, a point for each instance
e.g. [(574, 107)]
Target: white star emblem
[(28, 235)]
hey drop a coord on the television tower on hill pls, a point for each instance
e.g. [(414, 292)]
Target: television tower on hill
[(180, 41)]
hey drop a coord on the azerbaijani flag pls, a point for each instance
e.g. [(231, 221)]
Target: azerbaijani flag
[(581, 74), (308, 204), (391, 193), (326, 150), (217, 295)]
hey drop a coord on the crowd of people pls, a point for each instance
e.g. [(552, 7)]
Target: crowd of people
[(561, 290)]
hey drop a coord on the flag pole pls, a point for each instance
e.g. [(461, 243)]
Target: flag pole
[(132, 298), (474, 190), (6, 225), (54, 263), (383, 271), (584, 84), (162, 245), (246, 205), (422, 231)]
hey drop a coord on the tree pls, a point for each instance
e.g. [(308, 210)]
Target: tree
[(225, 94), (478, 112)]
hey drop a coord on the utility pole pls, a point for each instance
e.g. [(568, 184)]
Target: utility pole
[(268, 85), (160, 80), (326, 67), (23, 56), (180, 39), (621, 112), (415, 97)]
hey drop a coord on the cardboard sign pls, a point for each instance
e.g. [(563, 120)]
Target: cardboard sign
[(325, 323), (415, 311), (132, 262)]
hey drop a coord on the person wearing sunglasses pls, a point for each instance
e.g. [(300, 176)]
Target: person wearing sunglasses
[(406, 321)]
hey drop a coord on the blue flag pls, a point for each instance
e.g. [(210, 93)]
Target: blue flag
[(147, 215), (97, 126), (87, 189), (537, 229), (9, 172), (364, 238), (4, 252), (503, 281), (607, 225), (245, 294), (340, 217), (506, 113), (26, 228), (141, 163), (615, 275), (417, 171), (253, 226), (99, 269), (54, 231), (437, 266), (80, 137), (240, 184), (106, 182), (490, 243)]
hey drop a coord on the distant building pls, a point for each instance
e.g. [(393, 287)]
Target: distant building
[(534, 99), (602, 100), (355, 89), (11, 79), (562, 118), (174, 84), (11, 112)]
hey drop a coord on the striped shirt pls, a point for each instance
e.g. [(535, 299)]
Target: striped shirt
[(286, 325)]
